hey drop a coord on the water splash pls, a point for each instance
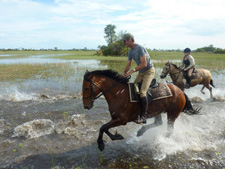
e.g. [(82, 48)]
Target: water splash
[(191, 133), (34, 129)]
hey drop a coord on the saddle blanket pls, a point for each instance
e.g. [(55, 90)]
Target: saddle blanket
[(160, 92)]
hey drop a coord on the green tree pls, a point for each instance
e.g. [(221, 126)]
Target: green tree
[(110, 33), (120, 35)]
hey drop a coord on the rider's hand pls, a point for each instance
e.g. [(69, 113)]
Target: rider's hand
[(130, 73), (124, 74)]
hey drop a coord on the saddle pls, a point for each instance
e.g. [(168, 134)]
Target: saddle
[(156, 91), (193, 75)]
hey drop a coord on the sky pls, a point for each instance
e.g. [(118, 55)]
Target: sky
[(67, 24)]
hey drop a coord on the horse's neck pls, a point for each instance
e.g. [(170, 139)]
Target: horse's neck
[(175, 73), (115, 90)]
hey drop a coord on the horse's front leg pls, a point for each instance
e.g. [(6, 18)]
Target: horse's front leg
[(105, 128)]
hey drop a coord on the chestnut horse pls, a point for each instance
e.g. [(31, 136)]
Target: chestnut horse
[(202, 76), (115, 89)]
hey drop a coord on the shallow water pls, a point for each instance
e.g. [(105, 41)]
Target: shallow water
[(43, 125)]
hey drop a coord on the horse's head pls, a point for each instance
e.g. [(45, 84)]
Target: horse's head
[(166, 70), (90, 90)]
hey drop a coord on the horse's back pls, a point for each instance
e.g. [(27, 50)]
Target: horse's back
[(178, 94), (205, 74)]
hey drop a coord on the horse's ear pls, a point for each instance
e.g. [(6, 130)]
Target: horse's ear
[(86, 71)]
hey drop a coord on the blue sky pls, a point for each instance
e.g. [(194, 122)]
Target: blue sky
[(67, 24)]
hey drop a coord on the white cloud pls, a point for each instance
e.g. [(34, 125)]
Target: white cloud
[(73, 23)]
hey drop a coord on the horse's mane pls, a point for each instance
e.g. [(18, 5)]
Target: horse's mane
[(109, 73), (173, 65)]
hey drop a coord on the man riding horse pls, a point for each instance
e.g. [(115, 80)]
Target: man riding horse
[(188, 65), (146, 71)]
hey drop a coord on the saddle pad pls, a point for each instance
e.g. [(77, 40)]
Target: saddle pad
[(160, 92)]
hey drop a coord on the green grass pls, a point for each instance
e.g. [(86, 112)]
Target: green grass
[(209, 61), (18, 72), (213, 62)]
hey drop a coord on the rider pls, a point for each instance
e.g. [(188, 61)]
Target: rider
[(188, 64), (146, 71)]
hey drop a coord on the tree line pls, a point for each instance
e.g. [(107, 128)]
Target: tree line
[(44, 49), (211, 48), (116, 47)]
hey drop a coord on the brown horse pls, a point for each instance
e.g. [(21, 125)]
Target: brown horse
[(115, 89), (202, 76)]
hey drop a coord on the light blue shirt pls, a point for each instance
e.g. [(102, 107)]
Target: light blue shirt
[(136, 55)]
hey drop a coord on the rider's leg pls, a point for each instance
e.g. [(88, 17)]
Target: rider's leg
[(189, 77), (148, 75)]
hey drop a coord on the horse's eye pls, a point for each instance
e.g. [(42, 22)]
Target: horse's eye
[(86, 89)]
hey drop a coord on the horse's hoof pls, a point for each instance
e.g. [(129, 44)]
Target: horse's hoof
[(119, 137), (169, 134), (140, 132), (101, 145)]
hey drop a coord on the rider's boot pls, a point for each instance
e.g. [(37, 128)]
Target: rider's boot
[(188, 82), (144, 107)]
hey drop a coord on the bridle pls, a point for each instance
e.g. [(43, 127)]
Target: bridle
[(93, 90), (165, 73), (93, 84)]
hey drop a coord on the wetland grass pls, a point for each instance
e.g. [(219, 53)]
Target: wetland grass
[(18, 72)]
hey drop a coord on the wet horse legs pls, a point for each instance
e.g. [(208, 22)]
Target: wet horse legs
[(157, 122), (105, 128), (208, 87)]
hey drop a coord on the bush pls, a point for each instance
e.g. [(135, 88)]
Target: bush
[(114, 49), (219, 51)]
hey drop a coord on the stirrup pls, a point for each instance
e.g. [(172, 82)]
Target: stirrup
[(187, 86), (141, 120)]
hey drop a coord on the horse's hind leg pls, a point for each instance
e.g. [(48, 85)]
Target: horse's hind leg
[(210, 90), (202, 90), (172, 116), (208, 87), (170, 127), (157, 122)]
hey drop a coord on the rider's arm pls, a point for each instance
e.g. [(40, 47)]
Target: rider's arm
[(192, 62), (143, 63), (127, 68), (182, 66)]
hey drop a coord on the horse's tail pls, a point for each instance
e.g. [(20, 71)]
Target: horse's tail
[(188, 107), (211, 83)]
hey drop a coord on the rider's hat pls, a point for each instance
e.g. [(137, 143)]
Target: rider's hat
[(128, 36), (187, 50)]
